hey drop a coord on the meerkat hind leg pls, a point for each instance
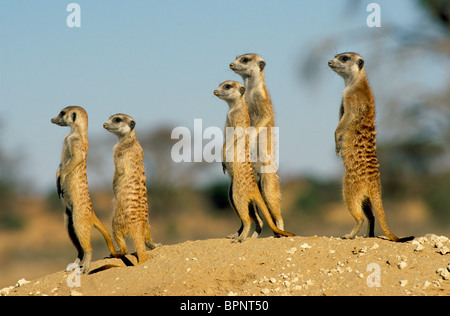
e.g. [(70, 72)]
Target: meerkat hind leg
[(367, 209), (121, 243), (242, 210), (253, 210), (354, 206), (86, 262), (75, 240), (139, 244), (230, 199)]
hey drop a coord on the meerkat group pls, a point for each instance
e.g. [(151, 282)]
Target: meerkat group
[(255, 184), (129, 186), (243, 188)]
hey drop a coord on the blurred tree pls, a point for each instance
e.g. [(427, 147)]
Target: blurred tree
[(217, 193), (9, 217), (171, 184), (440, 11)]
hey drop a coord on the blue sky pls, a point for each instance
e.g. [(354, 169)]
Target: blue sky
[(159, 61)]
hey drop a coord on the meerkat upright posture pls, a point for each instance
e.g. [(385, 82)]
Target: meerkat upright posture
[(243, 188), (251, 68), (356, 143), (72, 185), (129, 185)]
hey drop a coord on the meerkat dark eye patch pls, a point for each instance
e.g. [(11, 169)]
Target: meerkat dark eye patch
[(245, 60), (62, 113), (117, 120), (344, 59), (228, 87)]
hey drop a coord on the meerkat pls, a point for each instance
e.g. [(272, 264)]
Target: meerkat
[(243, 188), (356, 143), (129, 186), (72, 186)]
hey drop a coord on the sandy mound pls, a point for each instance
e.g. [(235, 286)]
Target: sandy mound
[(266, 266)]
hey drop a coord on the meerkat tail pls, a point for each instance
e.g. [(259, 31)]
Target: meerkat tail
[(258, 200), (378, 207), (102, 229)]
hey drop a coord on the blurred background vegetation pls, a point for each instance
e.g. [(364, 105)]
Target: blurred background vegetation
[(414, 154)]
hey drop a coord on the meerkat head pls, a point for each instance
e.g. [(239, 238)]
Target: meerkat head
[(347, 65), (230, 90), (73, 116), (120, 125), (248, 65)]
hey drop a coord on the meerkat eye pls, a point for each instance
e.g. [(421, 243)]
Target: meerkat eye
[(62, 113), (344, 59), (117, 120), (245, 60), (228, 87)]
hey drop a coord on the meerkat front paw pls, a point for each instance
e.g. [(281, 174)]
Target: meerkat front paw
[(338, 144)]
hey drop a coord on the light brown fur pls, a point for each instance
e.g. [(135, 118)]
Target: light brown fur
[(251, 68), (243, 188), (72, 185), (130, 191), (356, 142)]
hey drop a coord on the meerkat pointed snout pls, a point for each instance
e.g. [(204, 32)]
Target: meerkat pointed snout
[(330, 63)]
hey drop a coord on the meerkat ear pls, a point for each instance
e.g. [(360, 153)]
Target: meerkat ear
[(360, 64), (74, 116), (132, 124), (242, 90), (262, 65)]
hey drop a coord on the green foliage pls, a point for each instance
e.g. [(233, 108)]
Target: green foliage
[(217, 194), (316, 193), (437, 197), (439, 11), (11, 221)]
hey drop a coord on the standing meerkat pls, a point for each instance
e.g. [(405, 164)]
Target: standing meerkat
[(72, 185), (251, 68), (356, 143), (243, 188), (129, 185)]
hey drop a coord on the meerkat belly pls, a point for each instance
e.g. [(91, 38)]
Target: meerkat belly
[(75, 189), (131, 199), (244, 171), (359, 154)]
